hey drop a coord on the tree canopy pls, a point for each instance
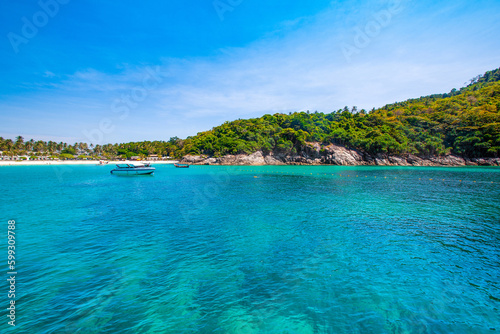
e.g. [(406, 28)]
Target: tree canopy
[(464, 122)]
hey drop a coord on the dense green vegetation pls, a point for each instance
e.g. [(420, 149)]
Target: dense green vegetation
[(36, 149), (464, 122)]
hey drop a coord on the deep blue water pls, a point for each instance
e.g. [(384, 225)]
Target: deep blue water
[(272, 249)]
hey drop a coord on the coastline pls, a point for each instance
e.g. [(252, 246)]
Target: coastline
[(73, 162), (338, 156)]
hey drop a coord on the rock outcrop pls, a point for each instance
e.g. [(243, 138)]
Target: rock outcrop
[(340, 155), (315, 154)]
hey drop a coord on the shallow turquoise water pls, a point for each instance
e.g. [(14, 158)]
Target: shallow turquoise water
[(272, 249)]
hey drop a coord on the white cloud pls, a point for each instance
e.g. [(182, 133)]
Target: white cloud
[(48, 74)]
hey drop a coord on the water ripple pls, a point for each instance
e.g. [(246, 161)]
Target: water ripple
[(295, 250)]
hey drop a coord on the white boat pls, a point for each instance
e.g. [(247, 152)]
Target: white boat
[(133, 169)]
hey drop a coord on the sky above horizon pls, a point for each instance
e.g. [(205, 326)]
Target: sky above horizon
[(110, 72)]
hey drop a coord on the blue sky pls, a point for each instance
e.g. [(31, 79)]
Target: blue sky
[(102, 71)]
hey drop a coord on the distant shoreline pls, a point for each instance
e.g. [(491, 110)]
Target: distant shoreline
[(75, 162)]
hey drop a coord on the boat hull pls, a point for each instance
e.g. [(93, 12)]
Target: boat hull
[(145, 171)]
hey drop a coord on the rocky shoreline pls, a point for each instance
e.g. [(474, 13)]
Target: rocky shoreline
[(315, 154)]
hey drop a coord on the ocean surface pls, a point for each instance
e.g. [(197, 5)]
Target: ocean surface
[(236, 249)]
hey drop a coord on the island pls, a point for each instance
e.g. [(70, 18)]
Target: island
[(458, 128)]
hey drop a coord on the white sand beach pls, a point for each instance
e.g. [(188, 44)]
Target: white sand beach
[(75, 162)]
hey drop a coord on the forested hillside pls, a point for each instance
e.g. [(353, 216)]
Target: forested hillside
[(464, 122)]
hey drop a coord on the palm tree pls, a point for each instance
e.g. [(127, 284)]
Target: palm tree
[(40, 146), (8, 144), (29, 145), (51, 146), (84, 147), (19, 142), (98, 149)]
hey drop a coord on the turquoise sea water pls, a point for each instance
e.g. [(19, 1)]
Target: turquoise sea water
[(271, 249)]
